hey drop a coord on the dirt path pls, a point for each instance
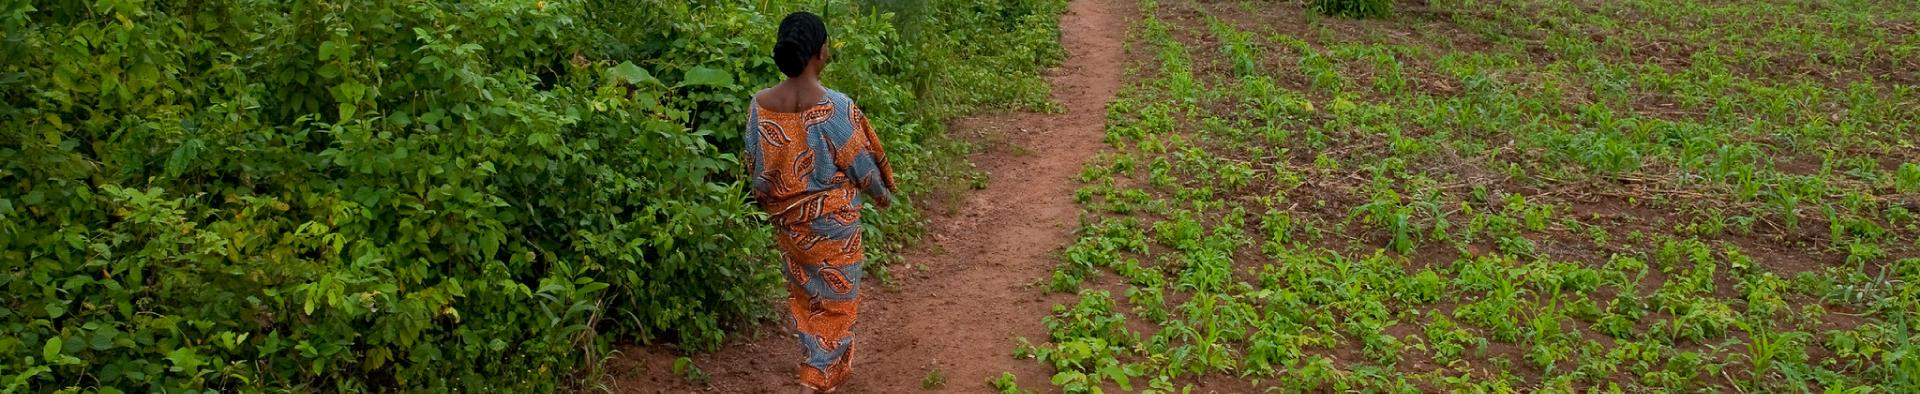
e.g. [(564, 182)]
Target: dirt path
[(984, 264)]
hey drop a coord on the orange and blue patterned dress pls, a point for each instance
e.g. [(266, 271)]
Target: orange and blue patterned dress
[(809, 170)]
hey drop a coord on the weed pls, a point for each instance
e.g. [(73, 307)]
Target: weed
[(686, 369), (934, 380)]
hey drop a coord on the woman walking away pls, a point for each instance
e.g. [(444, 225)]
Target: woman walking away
[(810, 154)]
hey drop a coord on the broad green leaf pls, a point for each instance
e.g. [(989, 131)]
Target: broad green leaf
[(183, 156), (1064, 377), (52, 350), (630, 73), (103, 338), (377, 357), (326, 50), (1119, 377), (705, 76), (184, 359), (432, 117)]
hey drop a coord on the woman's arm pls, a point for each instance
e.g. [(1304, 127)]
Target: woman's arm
[(750, 154), (869, 170)]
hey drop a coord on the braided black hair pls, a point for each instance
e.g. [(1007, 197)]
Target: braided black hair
[(801, 35)]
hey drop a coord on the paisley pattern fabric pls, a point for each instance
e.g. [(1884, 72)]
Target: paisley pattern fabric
[(810, 170)]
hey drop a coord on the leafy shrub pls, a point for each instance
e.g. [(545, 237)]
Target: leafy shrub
[(1359, 9), (424, 195)]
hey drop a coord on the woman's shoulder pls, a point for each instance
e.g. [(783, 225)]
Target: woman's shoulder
[(843, 105), (839, 99), (763, 93), (753, 101)]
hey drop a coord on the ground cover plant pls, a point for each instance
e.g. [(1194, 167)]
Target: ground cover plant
[(1532, 196), (241, 195)]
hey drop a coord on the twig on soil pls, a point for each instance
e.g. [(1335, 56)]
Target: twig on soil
[(1729, 377)]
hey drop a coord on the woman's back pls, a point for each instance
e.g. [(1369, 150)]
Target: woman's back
[(815, 162)]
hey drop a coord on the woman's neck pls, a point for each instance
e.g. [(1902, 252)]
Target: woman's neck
[(794, 94), (805, 85), (810, 80)]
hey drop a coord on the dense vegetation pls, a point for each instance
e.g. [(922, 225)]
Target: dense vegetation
[(1475, 196), (343, 195)]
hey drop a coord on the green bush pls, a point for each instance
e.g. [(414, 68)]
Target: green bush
[(1359, 9), (234, 194)]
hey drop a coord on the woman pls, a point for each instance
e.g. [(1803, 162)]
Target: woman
[(810, 154)]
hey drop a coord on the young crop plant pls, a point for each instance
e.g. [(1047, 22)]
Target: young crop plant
[(1206, 271), (1236, 175), (1396, 215), (1767, 346), (1006, 384), (1359, 9), (1424, 287), (1390, 73), (1550, 344), (1278, 108), (1213, 322), (1449, 341), (1182, 232), (1084, 194), (1907, 178), (1160, 174), (1180, 81), (1100, 245), (1124, 202), (1149, 302), (1324, 73), (1606, 153), (1239, 48), (1089, 339), (1503, 284)]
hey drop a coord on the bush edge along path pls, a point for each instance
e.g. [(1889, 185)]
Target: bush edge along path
[(245, 195)]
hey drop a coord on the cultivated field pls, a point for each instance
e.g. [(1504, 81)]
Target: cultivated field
[(1477, 196)]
